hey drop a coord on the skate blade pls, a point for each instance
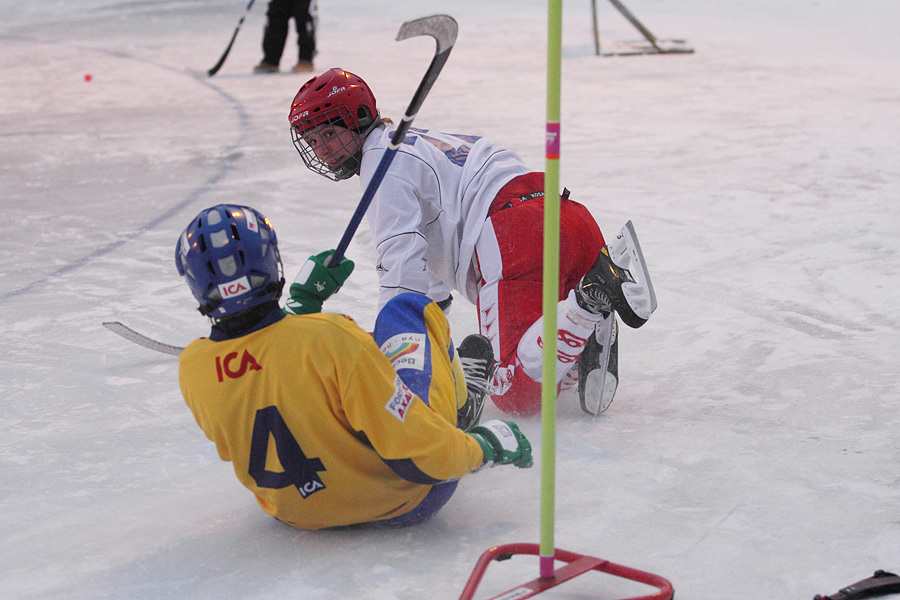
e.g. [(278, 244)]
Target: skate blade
[(599, 388), (626, 253)]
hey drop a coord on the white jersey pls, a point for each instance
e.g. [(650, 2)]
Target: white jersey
[(430, 208)]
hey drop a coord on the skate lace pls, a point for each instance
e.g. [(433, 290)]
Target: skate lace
[(476, 370), (594, 299)]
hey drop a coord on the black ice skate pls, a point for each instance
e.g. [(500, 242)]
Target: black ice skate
[(620, 281), (881, 583), (598, 367), (477, 358)]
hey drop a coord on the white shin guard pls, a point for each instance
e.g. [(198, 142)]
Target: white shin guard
[(574, 326)]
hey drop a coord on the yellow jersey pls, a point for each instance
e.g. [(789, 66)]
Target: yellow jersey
[(316, 421)]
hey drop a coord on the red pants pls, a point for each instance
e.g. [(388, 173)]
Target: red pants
[(510, 257)]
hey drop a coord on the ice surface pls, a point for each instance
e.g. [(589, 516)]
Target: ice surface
[(752, 451)]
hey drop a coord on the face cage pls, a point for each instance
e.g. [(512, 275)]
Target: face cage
[(345, 170)]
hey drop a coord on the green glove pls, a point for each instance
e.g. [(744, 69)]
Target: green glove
[(315, 283), (503, 444)]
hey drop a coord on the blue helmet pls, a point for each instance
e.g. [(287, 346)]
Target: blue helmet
[(229, 256)]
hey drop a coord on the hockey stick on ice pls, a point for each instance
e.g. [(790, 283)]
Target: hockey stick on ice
[(142, 340), (219, 64), (443, 29)]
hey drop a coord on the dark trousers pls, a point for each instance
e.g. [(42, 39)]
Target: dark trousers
[(279, 14)]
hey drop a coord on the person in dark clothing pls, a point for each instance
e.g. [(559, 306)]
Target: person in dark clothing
[(275, 34)]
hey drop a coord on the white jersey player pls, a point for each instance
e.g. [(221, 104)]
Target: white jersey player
[(457, 212)]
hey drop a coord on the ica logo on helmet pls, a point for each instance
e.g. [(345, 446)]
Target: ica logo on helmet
[(225, 367), (234, 288)]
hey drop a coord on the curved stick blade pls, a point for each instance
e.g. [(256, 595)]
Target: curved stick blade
[(443, 28)]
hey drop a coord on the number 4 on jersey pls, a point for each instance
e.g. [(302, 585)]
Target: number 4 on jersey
[(299, 470)]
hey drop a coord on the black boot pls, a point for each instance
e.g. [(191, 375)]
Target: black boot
[(477, 358)]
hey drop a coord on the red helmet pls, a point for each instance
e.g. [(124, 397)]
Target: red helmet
[(335, 97), (317, 100)]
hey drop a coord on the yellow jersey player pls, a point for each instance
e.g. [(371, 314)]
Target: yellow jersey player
[(328, 425)]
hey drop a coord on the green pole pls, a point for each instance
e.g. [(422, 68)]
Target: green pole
[(551, 289)]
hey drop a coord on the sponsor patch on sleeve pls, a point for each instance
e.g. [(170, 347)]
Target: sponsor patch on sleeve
[(400, 401), (406, 351)]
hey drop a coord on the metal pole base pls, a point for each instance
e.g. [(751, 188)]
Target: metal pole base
[(576, 564)]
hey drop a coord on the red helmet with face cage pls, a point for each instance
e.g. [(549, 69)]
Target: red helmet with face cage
[(336, 97), (333, 89)]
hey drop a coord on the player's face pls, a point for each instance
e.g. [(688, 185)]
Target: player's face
[(333, 144)]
